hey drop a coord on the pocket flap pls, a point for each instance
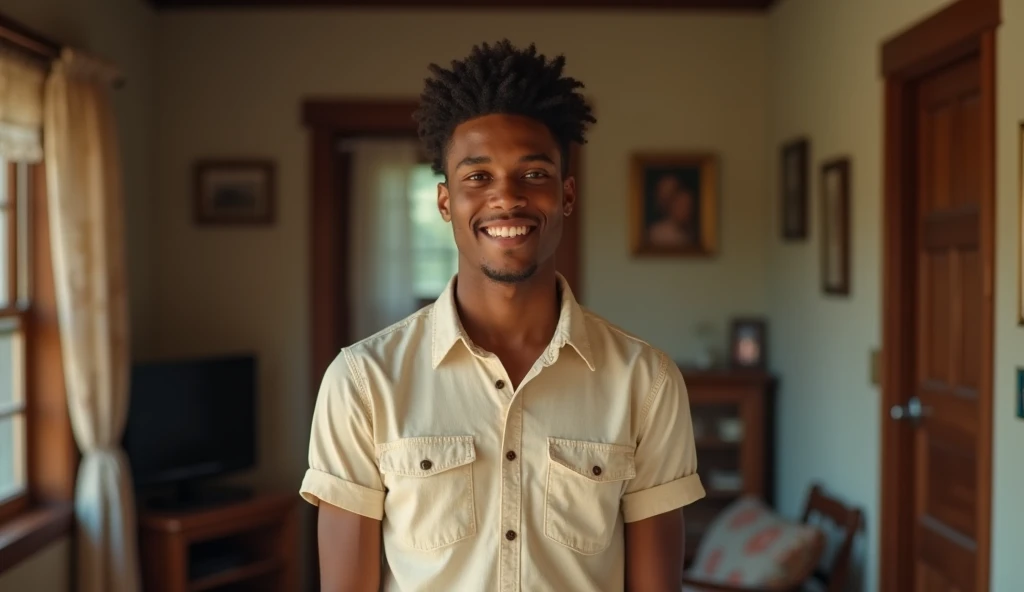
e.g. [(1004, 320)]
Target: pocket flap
[(594, 460), (423, 457)]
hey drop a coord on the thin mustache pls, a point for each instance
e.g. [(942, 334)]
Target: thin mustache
[(507, 217)]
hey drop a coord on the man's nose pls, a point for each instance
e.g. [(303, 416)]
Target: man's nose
[(506, 194)]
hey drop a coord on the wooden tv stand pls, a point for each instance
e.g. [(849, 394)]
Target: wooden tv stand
[(244, 545)]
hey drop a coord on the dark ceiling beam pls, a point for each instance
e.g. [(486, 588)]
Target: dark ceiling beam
[(750, 5)]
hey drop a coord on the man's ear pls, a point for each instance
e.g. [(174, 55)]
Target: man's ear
[(444, 201), (568, 195)]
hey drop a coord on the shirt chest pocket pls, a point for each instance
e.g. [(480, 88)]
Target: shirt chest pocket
[(586, 481), (429, 502)]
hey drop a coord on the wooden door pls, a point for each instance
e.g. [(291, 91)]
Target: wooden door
[(949, 368), (937, 440)]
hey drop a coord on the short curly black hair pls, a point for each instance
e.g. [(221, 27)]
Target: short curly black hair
[(501, 79)]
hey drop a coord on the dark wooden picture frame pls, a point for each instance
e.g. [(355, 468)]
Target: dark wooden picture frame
[(234, 192), (793, 187), (1020, 226), (835, 227), (748, 343), (674, 204)]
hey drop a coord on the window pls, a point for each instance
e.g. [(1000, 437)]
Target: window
[(14, 298), (435, 256)]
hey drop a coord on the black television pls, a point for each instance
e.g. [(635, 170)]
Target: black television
[(190, 420)]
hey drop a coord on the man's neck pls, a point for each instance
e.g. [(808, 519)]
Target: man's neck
[(501, 317)]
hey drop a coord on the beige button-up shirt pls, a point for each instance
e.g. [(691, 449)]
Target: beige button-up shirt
[(485, 487)]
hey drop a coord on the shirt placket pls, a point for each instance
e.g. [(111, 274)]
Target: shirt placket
[(511, 498), (511, 545)]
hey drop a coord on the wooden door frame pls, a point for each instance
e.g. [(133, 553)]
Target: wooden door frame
[(963, 29)]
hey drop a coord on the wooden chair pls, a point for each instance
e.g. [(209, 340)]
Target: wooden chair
[(834, 578), (846, 519)]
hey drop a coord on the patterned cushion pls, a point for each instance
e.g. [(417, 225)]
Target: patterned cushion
[(749, 544)]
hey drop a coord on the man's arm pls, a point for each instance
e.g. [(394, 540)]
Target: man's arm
[(344, 481), (654, 553), (666, 480), (349, 550)]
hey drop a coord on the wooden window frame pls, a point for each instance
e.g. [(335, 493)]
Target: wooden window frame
[(43, 514)]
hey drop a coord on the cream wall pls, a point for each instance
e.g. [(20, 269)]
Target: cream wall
[(824, 82), (231, 84), (121, 31)]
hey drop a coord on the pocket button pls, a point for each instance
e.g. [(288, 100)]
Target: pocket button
[(426, 464), (597, 471)]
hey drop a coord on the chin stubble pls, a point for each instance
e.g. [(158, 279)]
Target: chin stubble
[(508, 277)]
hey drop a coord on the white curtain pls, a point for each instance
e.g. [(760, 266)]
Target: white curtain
[(87, 233), (381, 232)]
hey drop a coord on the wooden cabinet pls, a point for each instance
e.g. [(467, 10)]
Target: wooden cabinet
[(246, 545), (733, 425)]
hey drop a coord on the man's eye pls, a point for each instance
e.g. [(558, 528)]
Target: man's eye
[(536, 175), (476, 177)]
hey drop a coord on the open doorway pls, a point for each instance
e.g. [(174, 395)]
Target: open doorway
[(401, 251)]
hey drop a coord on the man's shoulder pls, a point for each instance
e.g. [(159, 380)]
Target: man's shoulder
[(392, 343)]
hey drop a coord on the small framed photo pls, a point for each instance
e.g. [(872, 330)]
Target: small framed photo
[(835, 234), (793, 174), (674, 200), (748, 344), (234, 192)]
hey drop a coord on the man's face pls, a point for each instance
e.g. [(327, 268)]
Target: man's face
[(505, 195)]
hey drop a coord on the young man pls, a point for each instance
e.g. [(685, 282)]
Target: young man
[(502, 438)]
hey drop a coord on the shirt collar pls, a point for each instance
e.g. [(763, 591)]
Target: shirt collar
[(571, 329)]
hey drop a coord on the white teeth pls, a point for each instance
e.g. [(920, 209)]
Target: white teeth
[(507, 231)]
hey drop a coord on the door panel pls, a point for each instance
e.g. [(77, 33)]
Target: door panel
[(949, 319)]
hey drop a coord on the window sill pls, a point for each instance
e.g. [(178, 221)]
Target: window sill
[(32, 531)]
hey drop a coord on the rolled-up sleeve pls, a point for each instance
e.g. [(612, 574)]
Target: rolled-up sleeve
[(666, 458), (343, 467)]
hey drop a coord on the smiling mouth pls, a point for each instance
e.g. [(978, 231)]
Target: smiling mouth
[(508, 231)]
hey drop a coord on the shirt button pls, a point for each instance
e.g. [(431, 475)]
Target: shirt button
[(426, 464), (499, 385), (597, 471), (510, 455), (510, 535)]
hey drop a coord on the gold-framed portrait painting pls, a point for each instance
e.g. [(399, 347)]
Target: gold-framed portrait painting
[(674, 204)]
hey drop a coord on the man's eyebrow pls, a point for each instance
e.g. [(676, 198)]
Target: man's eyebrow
[(473, 160), (537, 157)]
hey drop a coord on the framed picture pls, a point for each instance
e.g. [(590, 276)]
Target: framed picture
[(835, 233), (234, 192), (1020, 230), (674, 201), (793, 175), (748, 344)]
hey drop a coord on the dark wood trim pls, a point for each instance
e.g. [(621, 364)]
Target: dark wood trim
[(899, 241), (53, 453), (961, 30), (17, 35), (983, 518), (942, 37), (11, 218), (32, 532), (747, 5)]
